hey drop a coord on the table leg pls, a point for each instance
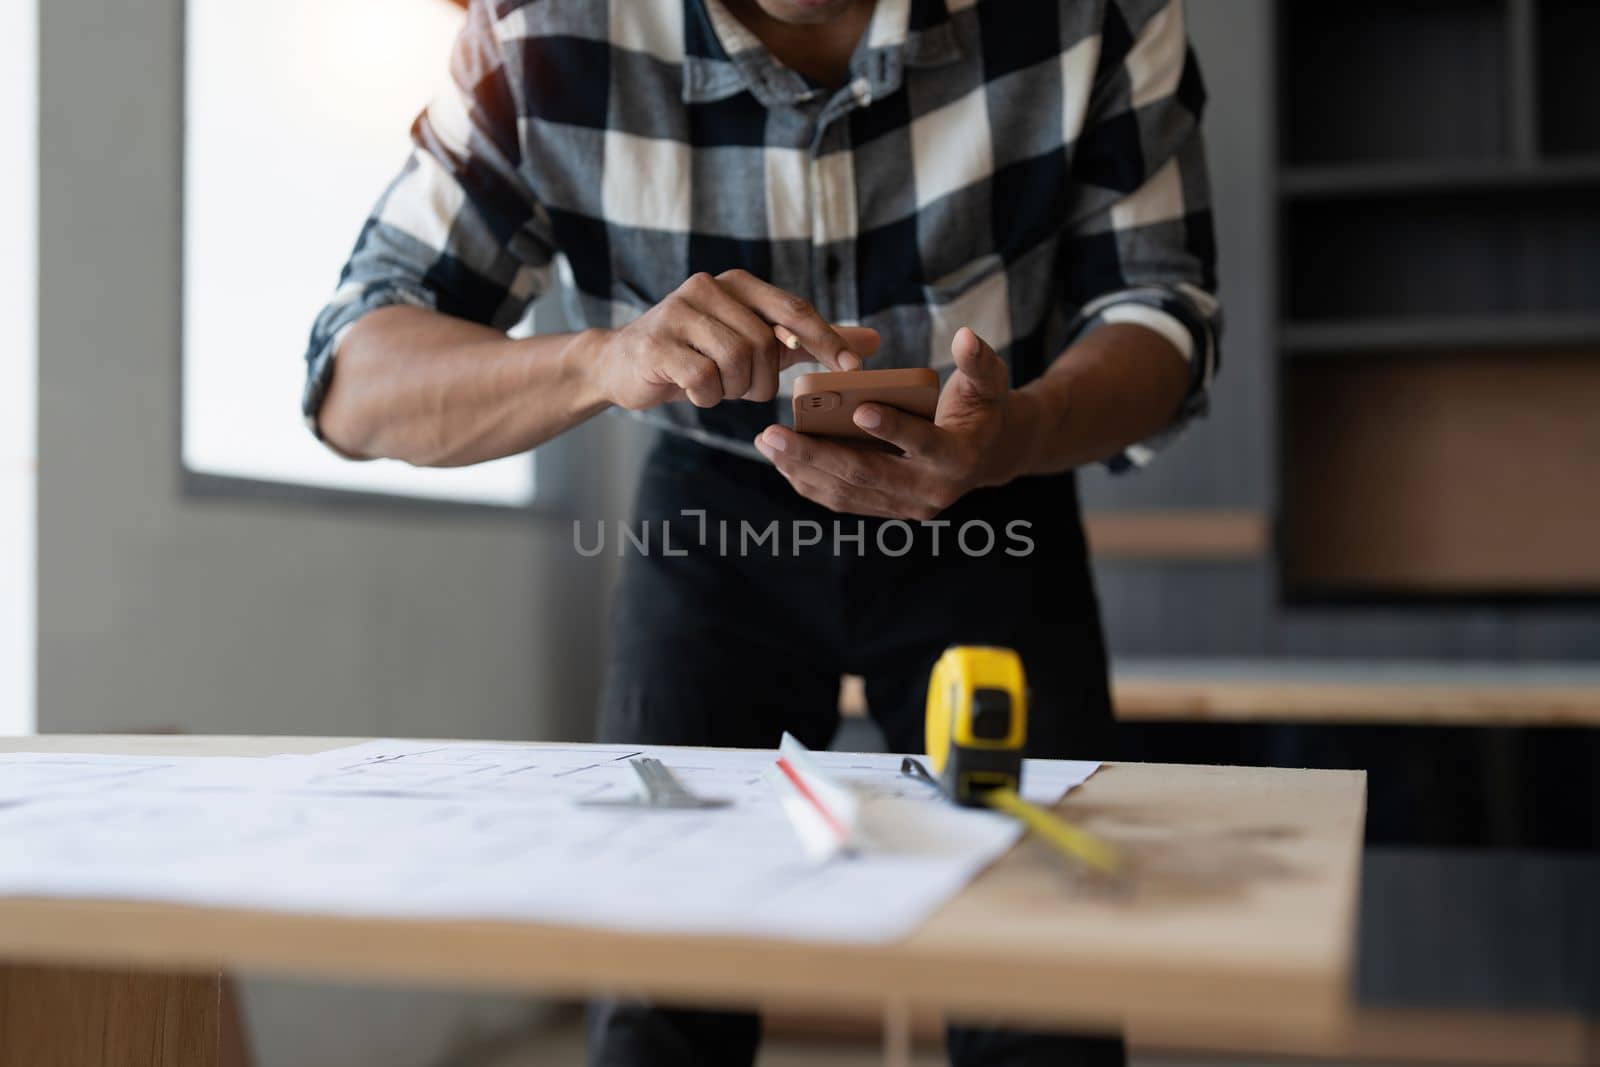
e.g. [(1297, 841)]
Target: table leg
[(896, 1033), (74, 1016)]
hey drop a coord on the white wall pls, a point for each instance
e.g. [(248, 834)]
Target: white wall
[(232, 616), (18, 304)]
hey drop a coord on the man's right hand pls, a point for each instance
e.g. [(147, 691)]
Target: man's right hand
[(437, 391), (716, 339)]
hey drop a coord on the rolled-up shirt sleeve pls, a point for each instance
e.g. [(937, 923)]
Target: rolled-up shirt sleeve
[(457, 231), (1140, 248)]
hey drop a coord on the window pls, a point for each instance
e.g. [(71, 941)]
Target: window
[(297, 118), (19, 141)]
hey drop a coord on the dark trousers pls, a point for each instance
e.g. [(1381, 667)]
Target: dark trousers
[(717, 642)]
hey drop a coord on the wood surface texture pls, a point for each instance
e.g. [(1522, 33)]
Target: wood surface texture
[(78, 1017)]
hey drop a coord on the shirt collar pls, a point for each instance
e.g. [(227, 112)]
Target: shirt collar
[(722, 57)]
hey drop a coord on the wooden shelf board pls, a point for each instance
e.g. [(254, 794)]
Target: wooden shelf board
[(1358, 692), (1178, 534), (1440, 694), (1417, 1036), (1351, 336), (1368, 1035)]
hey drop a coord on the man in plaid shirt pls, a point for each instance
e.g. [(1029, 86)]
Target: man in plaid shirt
[(738, 191)]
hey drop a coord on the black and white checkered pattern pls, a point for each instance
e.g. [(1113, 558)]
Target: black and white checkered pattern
[(1029, 168)]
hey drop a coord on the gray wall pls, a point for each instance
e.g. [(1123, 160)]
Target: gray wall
[(229, 615), (1226, 461), (233, 616)]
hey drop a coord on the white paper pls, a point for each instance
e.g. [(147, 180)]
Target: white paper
[(478, 830)]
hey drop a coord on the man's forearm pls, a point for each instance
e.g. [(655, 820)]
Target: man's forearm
[(1119, 385), (436, 391)]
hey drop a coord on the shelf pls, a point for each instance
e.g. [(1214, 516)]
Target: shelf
[(1382, 335), (1186, 534), (1388, 179), (1438, 196), (1463, 694), (1423, 1036)]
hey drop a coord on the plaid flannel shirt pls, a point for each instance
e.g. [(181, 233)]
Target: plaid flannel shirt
[(1030, 168)]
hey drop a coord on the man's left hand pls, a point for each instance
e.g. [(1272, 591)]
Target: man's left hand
[(979, 436)]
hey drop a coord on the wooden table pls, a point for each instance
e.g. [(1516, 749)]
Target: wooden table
[(1242, 922), (1364, 692)]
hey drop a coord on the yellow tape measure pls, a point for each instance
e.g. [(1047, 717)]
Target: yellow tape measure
[(977, 727)]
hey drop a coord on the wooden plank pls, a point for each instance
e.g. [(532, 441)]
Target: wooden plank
[(1471, 1039), (1186, 534), (1244, 911), (1146, 699), (70, 1017), (1371, 1035)]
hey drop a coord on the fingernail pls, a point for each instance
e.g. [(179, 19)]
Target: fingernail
[(775, 442), (849, 361), (868, 418), (966, 338), (787, 337)]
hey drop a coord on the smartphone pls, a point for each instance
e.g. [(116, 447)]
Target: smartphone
[(825, 402)]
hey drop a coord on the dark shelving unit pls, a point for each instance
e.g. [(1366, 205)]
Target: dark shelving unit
[(1439, 218), (1406, 410), (1403, 452)]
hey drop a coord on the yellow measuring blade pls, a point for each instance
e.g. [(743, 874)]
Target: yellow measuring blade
[(1077, 843)]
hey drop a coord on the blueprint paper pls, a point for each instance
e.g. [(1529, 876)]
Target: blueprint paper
[(35, 775), (492, 831)]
